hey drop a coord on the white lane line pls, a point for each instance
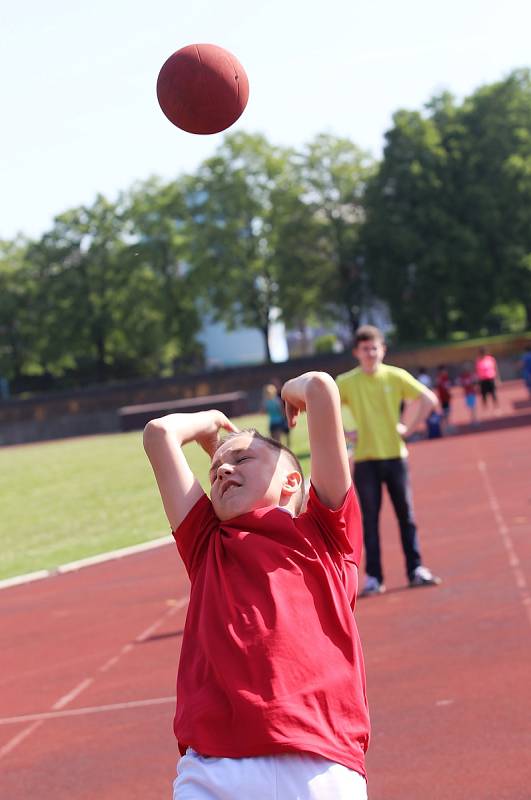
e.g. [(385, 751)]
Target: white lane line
[(16, 740), (37, 719), (67, 698), (503, 530), (108, 664), (176, 605)]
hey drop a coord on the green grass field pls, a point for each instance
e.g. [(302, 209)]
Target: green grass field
[(66, 500)]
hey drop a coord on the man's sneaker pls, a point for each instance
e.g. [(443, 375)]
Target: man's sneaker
[(423, 577), (372, 586)]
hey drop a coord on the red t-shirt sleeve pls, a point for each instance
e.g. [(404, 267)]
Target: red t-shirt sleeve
[(193, 533), (341, 527)]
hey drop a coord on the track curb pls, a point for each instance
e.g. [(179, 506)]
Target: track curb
[(72, 566)]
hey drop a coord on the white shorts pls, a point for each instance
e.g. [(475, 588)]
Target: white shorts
[(275, 777)]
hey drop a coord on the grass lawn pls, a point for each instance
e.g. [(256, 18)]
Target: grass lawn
[(74, 498)]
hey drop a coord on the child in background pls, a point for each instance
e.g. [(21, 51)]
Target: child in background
[(424, 377), (433, 425), (271, 698), (433, 421), (274, 408), (444, 393), (468, 380), (488, 377), (526, 368)]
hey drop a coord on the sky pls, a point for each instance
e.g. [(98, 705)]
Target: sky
[(79, 109)]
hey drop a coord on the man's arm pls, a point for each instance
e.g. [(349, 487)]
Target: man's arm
[(317, 393), (350, 431), (163, 441), (425, 403)]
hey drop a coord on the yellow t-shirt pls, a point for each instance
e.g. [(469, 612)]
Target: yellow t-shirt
[(374, 402)]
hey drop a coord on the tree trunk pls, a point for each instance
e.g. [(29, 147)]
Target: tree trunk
[(527, 307), (353, 320), (101, 365), (16, 357), (267, 351)]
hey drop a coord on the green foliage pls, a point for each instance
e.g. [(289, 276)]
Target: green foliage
[(102, 294), (81, 301), (17, 290), (246, 226), (448, 231), (166, 320), (334, 174), (325, 343), (440, 231), (411, 239)]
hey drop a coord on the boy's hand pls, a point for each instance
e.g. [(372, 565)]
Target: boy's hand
[(292, 413), (317, 394), (214, 421), (402, 429), (294, 398), (163, 441)]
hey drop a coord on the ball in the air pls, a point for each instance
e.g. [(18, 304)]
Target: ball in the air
[(202, 88)]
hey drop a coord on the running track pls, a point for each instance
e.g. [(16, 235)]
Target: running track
[(88, 658)]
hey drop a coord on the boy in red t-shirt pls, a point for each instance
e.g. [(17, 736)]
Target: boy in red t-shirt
[(271, 682)]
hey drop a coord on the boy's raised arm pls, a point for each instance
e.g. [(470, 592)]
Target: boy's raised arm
[(163, 441), (317, 393)]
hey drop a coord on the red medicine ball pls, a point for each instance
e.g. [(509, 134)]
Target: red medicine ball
[(202, 88)]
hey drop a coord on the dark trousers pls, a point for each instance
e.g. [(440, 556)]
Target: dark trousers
[(369, 477), (486, 387)]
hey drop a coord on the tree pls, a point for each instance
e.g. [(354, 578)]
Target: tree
[(168, 316), (98, 307), (241, 207), (495, 197), (16, 323), (448, 220), (409, 234), (334, 175), (79, 273), (103, 294)]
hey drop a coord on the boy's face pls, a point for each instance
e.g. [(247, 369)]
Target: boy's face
[(246, 474), (370, 354)]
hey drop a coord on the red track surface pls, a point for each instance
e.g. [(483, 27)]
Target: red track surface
[(448, 668)]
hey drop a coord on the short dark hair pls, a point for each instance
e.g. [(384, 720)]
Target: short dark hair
[(368, 333), (275, 445)]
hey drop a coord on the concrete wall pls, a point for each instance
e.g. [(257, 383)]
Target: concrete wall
[(95, 410), (61, 427)]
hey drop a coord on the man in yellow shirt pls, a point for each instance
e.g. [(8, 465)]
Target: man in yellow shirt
[(373, 392)]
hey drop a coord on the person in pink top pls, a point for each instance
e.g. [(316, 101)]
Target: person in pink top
[(487, 374), (271, 698)]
